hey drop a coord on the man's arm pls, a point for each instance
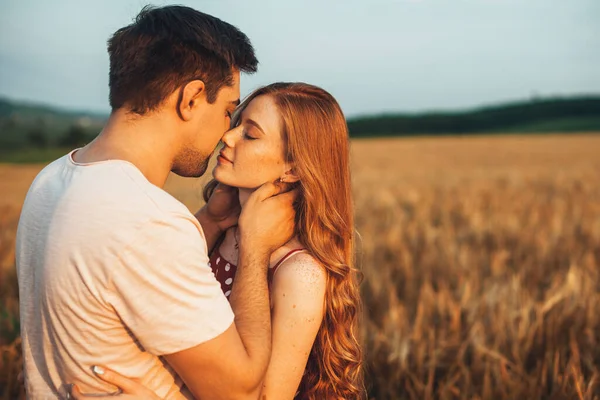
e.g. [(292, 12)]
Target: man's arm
[(184, 319), (229, 366), (233, 364), (298, 292)]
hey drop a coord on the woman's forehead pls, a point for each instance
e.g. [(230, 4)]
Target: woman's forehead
[(264, 111)]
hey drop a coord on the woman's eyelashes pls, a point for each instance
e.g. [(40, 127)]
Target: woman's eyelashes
[(247, 133), (248, 137)]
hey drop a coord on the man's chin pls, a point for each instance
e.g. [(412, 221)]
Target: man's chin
[(191, 172)]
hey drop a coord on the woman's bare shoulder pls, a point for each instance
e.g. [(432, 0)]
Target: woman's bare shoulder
[(301, 274)]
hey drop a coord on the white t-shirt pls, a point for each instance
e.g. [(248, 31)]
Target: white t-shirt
[(113, 271)]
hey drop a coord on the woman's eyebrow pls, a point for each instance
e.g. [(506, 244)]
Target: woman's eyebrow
[(253, 122)]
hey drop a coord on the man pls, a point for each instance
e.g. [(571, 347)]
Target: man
[(112, 270)]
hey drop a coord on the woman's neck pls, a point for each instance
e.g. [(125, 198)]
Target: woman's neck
[(293, 243), (244, 194)]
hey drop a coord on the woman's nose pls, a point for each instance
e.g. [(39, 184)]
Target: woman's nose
[(229, 137)]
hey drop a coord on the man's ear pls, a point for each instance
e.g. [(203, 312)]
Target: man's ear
[(289, 176), (193, 94)]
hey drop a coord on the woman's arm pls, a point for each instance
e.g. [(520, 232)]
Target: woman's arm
[(219, 213), (297, 295)]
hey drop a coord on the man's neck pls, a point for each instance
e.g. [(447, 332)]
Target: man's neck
[(145, 142)]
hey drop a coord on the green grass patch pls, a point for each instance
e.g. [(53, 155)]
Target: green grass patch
[(32, 156)]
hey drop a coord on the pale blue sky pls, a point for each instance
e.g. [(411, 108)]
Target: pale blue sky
[(373, 55)]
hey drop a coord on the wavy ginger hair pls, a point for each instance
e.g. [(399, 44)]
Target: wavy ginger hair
[(316, 141)]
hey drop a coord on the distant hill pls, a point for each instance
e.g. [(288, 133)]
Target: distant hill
[(548, 115), (24, 125), (20, 120)]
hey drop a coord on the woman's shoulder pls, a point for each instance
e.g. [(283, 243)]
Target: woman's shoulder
[(300, 273)]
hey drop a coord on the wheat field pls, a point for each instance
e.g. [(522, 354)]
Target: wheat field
[(481, 263)]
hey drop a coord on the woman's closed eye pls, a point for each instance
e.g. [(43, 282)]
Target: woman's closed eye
[(248, 136)]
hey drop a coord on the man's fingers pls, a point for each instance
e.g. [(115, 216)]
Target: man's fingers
[(271, 189), (265, 191), (290, 194), (285, 187)]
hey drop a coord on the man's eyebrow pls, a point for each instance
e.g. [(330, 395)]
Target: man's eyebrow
[(235, 102), (253, 122)]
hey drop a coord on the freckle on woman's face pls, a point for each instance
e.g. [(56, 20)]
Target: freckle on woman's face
[(253, 151)]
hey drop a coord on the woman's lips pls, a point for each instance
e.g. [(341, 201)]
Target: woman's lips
[(222, 158)]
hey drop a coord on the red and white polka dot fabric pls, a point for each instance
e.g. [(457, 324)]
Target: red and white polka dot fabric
[(225, 271)]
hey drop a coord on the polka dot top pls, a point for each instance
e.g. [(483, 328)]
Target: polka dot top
[(225, 271)]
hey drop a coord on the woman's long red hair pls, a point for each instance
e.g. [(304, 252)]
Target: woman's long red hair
[(316, 138)]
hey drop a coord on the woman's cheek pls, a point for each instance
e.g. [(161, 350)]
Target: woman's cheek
[(263, 168)]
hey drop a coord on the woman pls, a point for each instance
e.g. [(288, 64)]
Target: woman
[(297, 133)]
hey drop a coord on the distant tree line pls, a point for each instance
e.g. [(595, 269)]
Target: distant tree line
[(43, 129), (75, 136), (537, 115), (38, 135)]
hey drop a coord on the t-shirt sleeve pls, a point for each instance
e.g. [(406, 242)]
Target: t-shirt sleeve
[(164, 290)]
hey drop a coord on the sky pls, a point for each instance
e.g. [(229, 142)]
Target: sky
[(374, 56)]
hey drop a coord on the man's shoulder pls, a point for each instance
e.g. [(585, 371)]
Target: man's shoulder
[(157, 207), (49, 170), (109, 196), (165, 202), (126, 184)]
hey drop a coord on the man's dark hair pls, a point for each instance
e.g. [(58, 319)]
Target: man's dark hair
[(167, 47)]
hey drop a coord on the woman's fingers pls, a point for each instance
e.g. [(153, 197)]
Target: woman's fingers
[(129, 389), (75, 394), (127, 385)]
